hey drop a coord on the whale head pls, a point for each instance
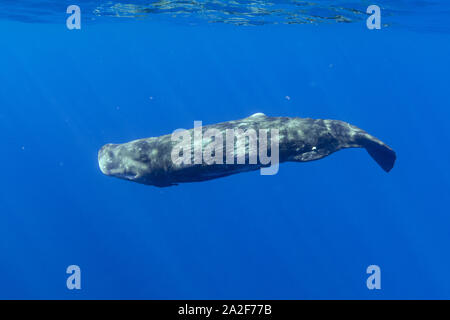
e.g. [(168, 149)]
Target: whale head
[(120, 161)]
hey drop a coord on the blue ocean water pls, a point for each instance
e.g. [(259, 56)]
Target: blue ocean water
[(144, 68)]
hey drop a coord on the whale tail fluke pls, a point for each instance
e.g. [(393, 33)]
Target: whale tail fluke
[(379, 151)]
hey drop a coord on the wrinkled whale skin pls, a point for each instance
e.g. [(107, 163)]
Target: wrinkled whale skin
[(148, 161)]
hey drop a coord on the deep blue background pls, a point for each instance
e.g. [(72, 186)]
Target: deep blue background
[(308, 232)]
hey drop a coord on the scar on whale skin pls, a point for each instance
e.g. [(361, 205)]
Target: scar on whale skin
[(149, 161)]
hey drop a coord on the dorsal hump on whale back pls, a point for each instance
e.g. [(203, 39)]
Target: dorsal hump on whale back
[(258, 115)]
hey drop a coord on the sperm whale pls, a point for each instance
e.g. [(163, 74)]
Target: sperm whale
[(177, 158)]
